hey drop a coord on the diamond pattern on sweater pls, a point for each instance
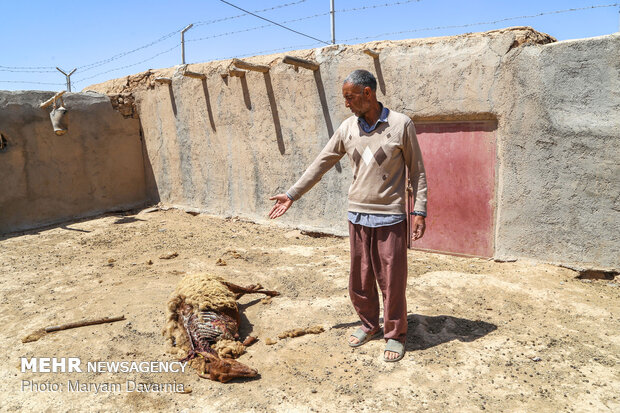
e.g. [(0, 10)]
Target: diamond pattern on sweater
[(367, 156), (356, 157), (380, 155)]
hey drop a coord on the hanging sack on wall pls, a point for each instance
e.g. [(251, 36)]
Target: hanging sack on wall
[(59, 118)]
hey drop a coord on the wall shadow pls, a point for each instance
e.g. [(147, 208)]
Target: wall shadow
[(172, 100), (425, 332), (74, 229), (208, 102), (150, 183), (325, 108), (379, 75), (246, 92), (274, 112), (126, 220)]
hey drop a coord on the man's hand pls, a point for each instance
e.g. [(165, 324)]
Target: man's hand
[(283, 203), (419, 225)]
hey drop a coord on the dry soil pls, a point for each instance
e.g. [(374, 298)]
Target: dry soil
[(482, 335)]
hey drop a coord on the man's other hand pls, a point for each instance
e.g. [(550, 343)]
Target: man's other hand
[(283, 203), (419, 225)]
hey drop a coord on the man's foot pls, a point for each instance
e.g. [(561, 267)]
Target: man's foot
[(360, 337), (394, 351)]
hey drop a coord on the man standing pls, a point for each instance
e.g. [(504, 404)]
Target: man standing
[(382, 146)]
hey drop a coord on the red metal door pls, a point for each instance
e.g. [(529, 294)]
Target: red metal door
[(460, 165)]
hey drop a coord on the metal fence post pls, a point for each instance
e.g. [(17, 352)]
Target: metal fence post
[(183, 41), (333, 13), (67, 76)]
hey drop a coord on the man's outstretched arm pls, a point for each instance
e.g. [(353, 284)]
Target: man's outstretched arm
[(329, 156), (283, 203)]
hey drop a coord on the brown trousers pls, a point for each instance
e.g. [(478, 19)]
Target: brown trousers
[(379, 255)]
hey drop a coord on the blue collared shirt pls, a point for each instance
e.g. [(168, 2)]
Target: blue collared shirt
[(382, 118)]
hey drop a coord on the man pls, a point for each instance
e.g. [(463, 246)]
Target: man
[(381, 145)]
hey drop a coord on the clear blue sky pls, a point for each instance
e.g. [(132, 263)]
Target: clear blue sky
[(38, 35)]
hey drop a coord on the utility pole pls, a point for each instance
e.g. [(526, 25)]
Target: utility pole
[(333, 13), (183, 41), (67, 76)]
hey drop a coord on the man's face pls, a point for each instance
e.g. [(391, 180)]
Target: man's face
[(356, 98)]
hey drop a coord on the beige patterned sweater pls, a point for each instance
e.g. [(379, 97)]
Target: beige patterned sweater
[(378, 160)]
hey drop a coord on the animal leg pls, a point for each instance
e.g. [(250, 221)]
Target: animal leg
[(251, 289)]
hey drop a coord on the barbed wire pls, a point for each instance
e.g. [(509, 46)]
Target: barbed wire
[(203, 23), (460, 26), (272, 22), (27, 70), (130, 65), (51, 69), (33, 83), (260, 52), (296, 20), (375, 6), (93, 65), (28, 67), (90, 66)]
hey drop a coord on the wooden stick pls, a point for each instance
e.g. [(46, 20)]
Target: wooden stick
[(52, 99), (83, 323), (306, 64), (371, 53), (250, 66), (237, 73), (194, 75), (166, 80)]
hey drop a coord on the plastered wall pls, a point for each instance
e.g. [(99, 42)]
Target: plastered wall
[(224, 145), (97, 166), (559, 198)]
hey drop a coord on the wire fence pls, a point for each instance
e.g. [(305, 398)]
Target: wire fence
[(172, 39)]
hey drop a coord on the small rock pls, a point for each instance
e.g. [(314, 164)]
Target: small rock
[(169, 255), (111, 260), (149, 262), (269, 341), (220, 262), (292, 234), (536, 359)]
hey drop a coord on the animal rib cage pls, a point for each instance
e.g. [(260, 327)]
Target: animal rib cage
[(208, 327)]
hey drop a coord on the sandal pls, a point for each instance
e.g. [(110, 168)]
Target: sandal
[(364, 337), (396, 347)]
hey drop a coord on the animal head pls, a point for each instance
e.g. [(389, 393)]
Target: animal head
[(223, 370)]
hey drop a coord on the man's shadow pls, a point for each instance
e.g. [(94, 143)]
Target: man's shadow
[(424, 332)]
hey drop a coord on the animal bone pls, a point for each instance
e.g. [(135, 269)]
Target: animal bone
[(203, 323)]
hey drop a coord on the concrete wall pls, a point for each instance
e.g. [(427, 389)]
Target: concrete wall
[(560, 153), (224, 145), (95, 167)]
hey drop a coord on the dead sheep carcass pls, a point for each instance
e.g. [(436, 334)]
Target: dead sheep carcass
[(203, 325)]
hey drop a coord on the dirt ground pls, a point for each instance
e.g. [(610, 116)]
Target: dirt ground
[(482, 335)]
